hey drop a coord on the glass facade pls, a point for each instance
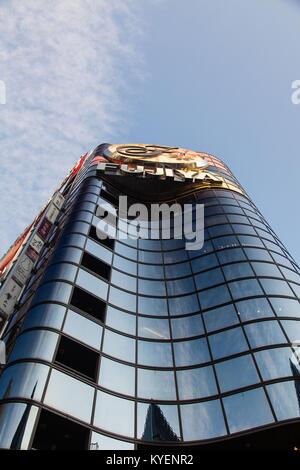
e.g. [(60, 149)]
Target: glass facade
[(137, 341)]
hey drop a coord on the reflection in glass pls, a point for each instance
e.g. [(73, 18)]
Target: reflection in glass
[(84, 330), (101, 442), (276, 287), (202, 420), (264, 333), (191, 352), (292, 329), (186, 327), (247, 410), (120, 279), (92, 284), (156, 384), (151, 306), (122, 299), (155, 328), (254, 308), (214, 296), (117, 377), (183, 305), (209, 278), (114, 414), (69, 396), (119, 346), (121, 321), (285, 398), (51, 315), (276, 362), (156, 288), (196, 383), (25, 380), (220, 318), (227, 343), (38, 343), (286, 307), (157, 354), (16, 425), (237, 270), (236, 373), (157, 422)]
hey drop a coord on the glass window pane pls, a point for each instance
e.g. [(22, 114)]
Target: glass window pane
[(209, 278), (120, 279), (60, 271), (292, 329), (236, 373), (99, 251), (214, 296), (285, 399), (264, 333), (186, 327), (152, 306), (202, 420), (125, 265), (38, 343), (51, 315), (196, 383), (156, 384), (69, 396), (156, 422), (266, 269), (237, 270), (152, 353), (11, 419), (276, 287), (119, 346), (83, 329), (114, 414), (220, 318), (117, 377), (254, 308), (247, 410), (231, 255), (191, 352), (257, 254), (121, 321), (180, 286), (92, 284), (156, 288), (25, 380), (245, 288), (55, 291), (101, 442), (183, 305), (175, 270), (277, 362), (155, 328), (122, 299), (203, 263), (227, 343)]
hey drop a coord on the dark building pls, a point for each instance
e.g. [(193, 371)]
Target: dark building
[(133, 342)]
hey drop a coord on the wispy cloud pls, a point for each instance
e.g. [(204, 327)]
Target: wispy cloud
[(63, 63)]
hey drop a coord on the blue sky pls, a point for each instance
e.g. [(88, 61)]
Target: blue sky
[(211, 75)]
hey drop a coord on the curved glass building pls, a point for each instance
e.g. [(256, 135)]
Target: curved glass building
[(130, 343)]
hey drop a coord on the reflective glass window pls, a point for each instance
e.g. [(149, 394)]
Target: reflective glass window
[(114, 414), (202, 420), (98, 250), (155, 328), (37, 343), (156, 288), (277, 362), (276, 287), (101, 442), (180, 286), (70, 396), (178, 270), (84, 330), (196, 383), (175, 256), (122, 299), (220, 318), (209, 278), (55, 291), (285, 399), (67, 254), (247, 410), (286, 307), (119, 346), (152, 306), (264, 333), (117, 377), (245, 288), (152, 257), (254, 308), (183, 305), (257, 254), (167, 414), (156, 384), (250, 241), (227, 343), (266, 269), (121, 321), (291, 275), (246, 229), (191, 352), (204, 262), (236, 373), (292, 329), (25, 380), (237, 270), (50, 315), (231, 255), (12, 418), (157, 354), (186, 327), (152, 271), (120, 279), (220, 230), (92, 284), (125, 265), (214, 296)]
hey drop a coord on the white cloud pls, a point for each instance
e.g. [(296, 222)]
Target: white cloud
[(63, 64)]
